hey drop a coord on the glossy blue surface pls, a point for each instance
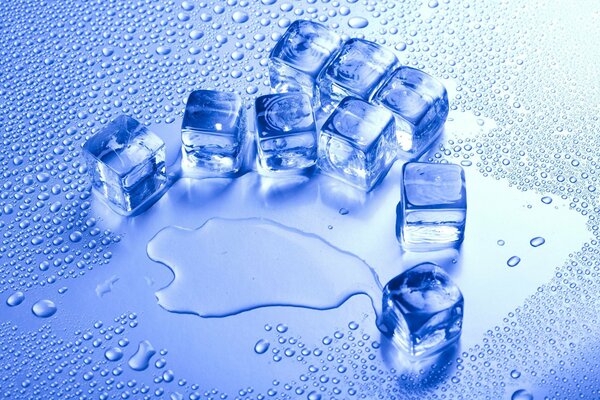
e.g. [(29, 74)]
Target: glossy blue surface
[(357, 143), (419, 103), (286, 133), (81, 301), (433, 210)]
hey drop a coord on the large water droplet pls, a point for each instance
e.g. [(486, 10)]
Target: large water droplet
[(358, 22), (261, 346), (537, 241), (44, 308), (141, 359), (239, 17), (113, 354), (15, 299), (513, 261), (521, 394)]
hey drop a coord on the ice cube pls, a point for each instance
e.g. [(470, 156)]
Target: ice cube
[(419, 103), (356, 71), (422, 310), (213, 133), (126, 162), (286, 135), (357, 143), (299, 56), (432, 211)]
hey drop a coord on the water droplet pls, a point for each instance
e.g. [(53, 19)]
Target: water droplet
[(261, 346), (343, 211), (515, 374), (113, 354), (44, 308), (163, 50), (358, 22), (521, 394), (501, 242), (537, 241), (433, 4), (314, 396), (15, 299), (353, 325), (282, 328), (141, 359), (513, 261), (546, 199), (239, 17)]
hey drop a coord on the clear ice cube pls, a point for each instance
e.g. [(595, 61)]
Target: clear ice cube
[(357, 143), (419, 103), (422, 310), (356, 70), (299, 56), (433, 208), (213, 133), (286, 135), (126, 162)]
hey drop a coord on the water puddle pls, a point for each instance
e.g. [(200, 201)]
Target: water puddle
[(229, 266)]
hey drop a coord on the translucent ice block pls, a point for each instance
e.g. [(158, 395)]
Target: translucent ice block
[(286, 135), (357, 143), (213, 133), (299, 55), (356, 70), (432, 211), (422, 310), (419, 103), (126, 162)]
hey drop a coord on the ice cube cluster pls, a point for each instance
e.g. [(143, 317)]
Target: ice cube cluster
[(347, 109)]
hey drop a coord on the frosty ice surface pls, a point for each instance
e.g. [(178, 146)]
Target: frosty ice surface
[(422, 310), (432, 211), (299, 55), (286, 134), (126, 162), (357, 143), (356, 71), (419, 103), (213, 133)]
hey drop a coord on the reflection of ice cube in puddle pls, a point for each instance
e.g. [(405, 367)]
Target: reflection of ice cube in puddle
[(422, 310)]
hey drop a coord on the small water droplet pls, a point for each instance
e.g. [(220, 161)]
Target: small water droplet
[(537, 241), (282, 328), (343, 211), (515, 374), (513, 261), (261, 346), (501, 242), (546, 199)]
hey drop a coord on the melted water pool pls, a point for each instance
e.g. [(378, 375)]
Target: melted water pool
[(229, 266)]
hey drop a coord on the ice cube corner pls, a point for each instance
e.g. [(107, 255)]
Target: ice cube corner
[(126, 162)]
